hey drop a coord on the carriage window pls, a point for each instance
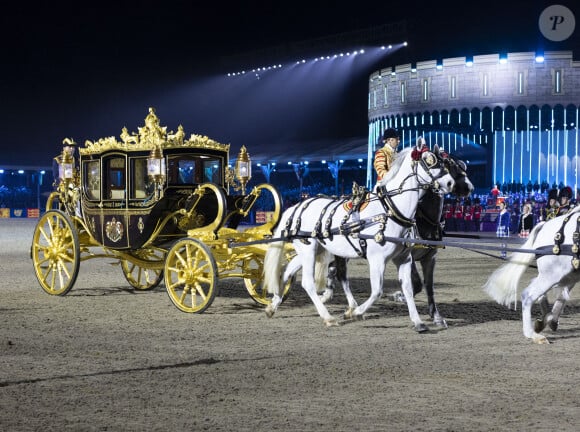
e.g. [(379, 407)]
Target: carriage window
[(188, 169), (116, 178), (212, 171), (141, 187), (184, 170), (92, 180)]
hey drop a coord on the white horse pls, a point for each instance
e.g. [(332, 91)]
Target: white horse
[(321, 228), (557, 244), (428, 225)]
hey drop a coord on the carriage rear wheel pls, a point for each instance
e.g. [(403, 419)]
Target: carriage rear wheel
[(55, 252), (145, 278), (190, 275), (253, 269)]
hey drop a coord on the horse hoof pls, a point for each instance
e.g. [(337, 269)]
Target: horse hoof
[(331, 322), (269, 311), (325, 298), (441, 323), (553, 324), (421, 328), (540, 340), (398, 297), (539, 325), (348, 314)]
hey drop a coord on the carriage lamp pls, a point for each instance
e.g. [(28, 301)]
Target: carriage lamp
[(243, 168), (156, 169), (67, 161)]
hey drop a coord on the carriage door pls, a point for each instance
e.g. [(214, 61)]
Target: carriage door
[(115, 172), (115, 214)]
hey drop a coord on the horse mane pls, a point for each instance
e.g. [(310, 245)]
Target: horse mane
[(401, 156)]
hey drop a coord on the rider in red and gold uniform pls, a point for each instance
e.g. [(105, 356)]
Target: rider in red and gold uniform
[(385, 156)]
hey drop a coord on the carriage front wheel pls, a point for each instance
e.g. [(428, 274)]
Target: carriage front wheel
[(253, 269), (55, 252), (190, 275)]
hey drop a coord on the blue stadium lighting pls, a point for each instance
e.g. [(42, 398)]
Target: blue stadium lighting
[(1, 171), (439, 65), (539, 57), (469, 61), (20, 171), (503, 58)]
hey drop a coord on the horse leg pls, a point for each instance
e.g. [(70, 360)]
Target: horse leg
[(328, 292), (428, 265), (341, 276), (398, 296), (541, 322), (537, 287), (376, 273), (553, 318), (415, 278), (404, 265), (309, 285), (291, 269)]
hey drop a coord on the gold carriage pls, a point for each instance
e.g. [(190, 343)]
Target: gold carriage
[(159, 205)]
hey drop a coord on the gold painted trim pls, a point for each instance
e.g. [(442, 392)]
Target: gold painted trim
[(149, 137)]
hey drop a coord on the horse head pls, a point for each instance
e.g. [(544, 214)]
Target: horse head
[(458, 170), (433, 165)]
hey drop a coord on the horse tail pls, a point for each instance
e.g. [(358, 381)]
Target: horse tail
[(273, 267), (323, 260), (502, 285)]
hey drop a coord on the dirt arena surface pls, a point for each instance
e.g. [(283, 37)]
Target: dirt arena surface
[(108, 358)]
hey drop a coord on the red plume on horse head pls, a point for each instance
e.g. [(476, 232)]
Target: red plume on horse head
[(419, 149)]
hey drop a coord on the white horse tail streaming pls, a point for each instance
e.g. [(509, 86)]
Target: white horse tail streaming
[(323, 260), (273, 268), (502, 285)]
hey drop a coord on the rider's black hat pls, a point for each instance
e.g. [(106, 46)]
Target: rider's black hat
[(566, 192), (390, 133)]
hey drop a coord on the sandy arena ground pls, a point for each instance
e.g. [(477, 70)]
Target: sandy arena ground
[(108, 358)]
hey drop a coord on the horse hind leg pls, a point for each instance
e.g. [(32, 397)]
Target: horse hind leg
[(309, 285), (328, 292), (553, 317), (342, 277), (541, 322), (537, 287), (291, 269), (428, 265)]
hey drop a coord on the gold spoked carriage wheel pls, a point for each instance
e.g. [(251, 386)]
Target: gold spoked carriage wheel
[(253, 269), (55, 252), (144, 278), (190, 275)]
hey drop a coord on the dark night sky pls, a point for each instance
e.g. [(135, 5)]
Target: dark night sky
[(86, 69)]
